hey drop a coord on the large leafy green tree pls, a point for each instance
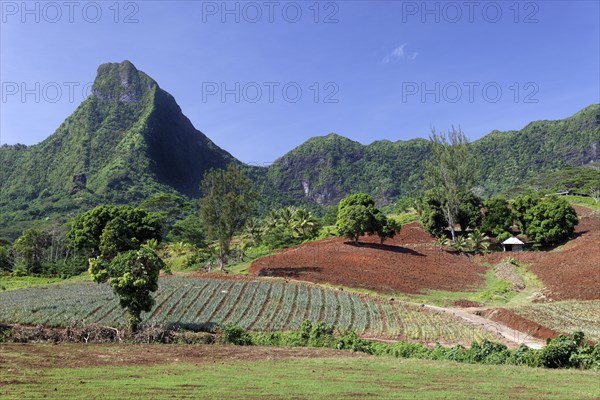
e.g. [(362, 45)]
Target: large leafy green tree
[(469, 212), (551, 221), (357, 216), (43, 251), (107, 230), (498, 216), (113, 236), (133, 275), (228, 201), (387, 227), (520, 206), (432, 216), (6, 257), (187, 230), (356, 220), (169, 207), (450, 172), (356, 199), (30, 249)]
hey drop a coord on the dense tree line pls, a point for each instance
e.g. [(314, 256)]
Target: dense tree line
[(546, 221), (118, 244)]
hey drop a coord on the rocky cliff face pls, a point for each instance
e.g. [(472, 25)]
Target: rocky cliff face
[(325, 169), (121, 82)]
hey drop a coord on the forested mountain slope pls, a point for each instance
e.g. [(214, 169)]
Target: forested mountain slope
[(129, 139)]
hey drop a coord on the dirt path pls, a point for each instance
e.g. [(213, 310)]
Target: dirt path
[(509, 334)]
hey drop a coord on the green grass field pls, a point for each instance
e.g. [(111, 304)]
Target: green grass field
[(8, 282), (214, 372), (494, 293), (583, 201)]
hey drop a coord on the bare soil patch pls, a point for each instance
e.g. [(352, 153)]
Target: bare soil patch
[(71, 355), (571, 271), (466, 303), (408, 263), (521, 324), (506, 272)]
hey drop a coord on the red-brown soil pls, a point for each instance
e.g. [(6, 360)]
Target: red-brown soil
[(571, 271), (411, 263), (521, 324), (408, 263), (466, 303)]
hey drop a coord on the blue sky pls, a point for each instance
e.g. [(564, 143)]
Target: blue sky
[(367, 70)]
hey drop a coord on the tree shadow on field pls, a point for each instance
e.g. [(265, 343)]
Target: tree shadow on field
[(194, 327), (386, 247), (287, 272), (575, 235)]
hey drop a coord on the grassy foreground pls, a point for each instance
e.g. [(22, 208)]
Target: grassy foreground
[(60, 372)]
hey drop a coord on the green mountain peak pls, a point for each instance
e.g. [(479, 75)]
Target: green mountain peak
[(121, 82), (127, 140), (130, 139)]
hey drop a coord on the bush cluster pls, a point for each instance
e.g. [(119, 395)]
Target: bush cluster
[(561, 352), (101, 334)]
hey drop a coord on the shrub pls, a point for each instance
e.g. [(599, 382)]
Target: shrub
[(503, 236), (551, 221), (232, 334), (350, 341), (456, 353), (266, 338), (558, 351), (488, 352)]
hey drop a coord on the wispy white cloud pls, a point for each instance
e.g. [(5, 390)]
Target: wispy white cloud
[(399, 54)]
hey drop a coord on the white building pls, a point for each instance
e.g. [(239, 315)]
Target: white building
[(513, 244)]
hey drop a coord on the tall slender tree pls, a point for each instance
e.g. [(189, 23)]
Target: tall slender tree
[(450, 172), (228, 201)]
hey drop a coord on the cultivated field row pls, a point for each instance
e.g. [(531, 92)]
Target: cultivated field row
[(197, 303), (566, 316)]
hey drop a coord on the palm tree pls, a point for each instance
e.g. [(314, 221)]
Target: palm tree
[(442, 242), (478, 241), (270, 221), (460, 244), (286, 216), (253, 228), (304, 224)]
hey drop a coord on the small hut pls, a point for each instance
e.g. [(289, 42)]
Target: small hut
[(512, 244)]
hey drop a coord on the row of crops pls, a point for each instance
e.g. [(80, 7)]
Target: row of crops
[(199, 304), (566, 316)]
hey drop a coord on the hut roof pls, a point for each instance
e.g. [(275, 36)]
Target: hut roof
[(512, 240)]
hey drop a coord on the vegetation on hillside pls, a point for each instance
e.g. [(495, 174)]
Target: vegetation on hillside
[(358, 216), (129, 141), (227, 203), (450, 173)]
